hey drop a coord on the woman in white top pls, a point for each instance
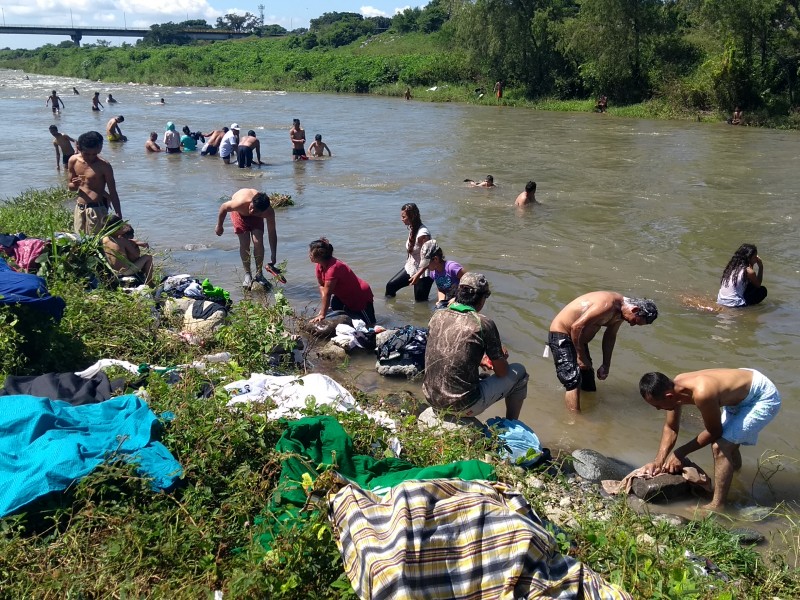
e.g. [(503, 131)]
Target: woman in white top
[(741, 282), (418, 234)]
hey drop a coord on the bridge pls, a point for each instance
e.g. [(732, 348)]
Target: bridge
[(76, 33)]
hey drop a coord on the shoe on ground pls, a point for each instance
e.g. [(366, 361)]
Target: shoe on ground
[(247, 282), (259, 278)]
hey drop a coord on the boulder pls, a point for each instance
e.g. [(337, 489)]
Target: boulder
[(745, 535), (331, 351), (593, 466), (661, 488)]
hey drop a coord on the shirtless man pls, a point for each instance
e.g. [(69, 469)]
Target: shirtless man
[(111, 100), (151, 145), (735, 405), (298, 137), (113, 132), (123, 252), (75, 91), (96, 104), (528, 196), (737, 117), (318, 147), (63, 146), (211, 146), (54, 98), (230, 143), (577, 324), (93, 178), (247, 145), (249, 208)]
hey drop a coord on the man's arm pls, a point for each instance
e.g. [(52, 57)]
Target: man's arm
[(111, 184), (669, 435), (609, 339), (258, 151), (58, 155), (224, 209), (325, 147), (62, 102), (592, 314), (709, 410), (272, 235)]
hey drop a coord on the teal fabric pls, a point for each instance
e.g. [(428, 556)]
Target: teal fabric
[(46, 445)]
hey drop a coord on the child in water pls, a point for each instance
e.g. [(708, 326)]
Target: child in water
[(318, 147)]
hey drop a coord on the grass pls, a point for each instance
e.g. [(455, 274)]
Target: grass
[(110, 536)]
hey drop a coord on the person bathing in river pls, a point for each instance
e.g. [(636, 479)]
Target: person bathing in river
[(418, 234), (63, 146), (735, 405), (446, 274), (211, 146), (96, 104), (486, 183), (318, 147), (151, 145), (339, 287), (577, 324), (110, 100), (172, 141), (741, 280), (247, 145), (113, 132), (56, 101), (249, 208), (528, 196), (297, 135)]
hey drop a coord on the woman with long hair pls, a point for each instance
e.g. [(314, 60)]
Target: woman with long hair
[(418, 234), (339, 287), (740, 284)]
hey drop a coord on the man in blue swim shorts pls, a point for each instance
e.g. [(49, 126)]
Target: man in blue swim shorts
[(735, 405)]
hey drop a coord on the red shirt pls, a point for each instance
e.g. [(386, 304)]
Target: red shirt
[(354, 292)]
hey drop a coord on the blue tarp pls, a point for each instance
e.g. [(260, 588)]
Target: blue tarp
[(24, 288), (46, 445)]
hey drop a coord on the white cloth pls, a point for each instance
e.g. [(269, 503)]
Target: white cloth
[(107, 362), (292, 394), (732, 293), (172, 139), (229, 142), (412, 262), (346, 335)]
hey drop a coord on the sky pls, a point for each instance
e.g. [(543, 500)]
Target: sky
[(290, 14)]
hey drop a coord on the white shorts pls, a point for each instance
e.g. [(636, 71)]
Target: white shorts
[(742, 423)]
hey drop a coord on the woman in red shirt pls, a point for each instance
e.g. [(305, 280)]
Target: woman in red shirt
[(339, 287)]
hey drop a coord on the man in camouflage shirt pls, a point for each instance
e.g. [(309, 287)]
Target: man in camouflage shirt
[(460, 340)]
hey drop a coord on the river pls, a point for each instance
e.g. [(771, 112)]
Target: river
[(646, 208)]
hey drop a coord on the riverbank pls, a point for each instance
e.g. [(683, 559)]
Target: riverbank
[(428, 66), (203, 536)]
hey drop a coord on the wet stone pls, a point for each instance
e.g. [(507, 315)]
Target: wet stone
[(661, 488), (747, 535), (594, 466)]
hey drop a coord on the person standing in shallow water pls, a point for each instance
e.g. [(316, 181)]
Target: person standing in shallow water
[(577, 324), (418, 234), (741, 280)]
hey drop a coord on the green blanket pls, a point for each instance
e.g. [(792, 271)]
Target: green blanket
[(322, 441)]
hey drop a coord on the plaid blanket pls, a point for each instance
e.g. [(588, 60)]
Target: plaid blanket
[(448, 538)]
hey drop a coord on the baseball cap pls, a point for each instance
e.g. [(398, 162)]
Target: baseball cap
[(426, 253), (235, 126), (476, 281)]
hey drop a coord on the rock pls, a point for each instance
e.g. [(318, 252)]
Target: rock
[(331, 351), (645, 539), (593, 466), (565, 502), (429, 419), (674, 520), (755, 513), (327, 327), (660, 488), (746, 535), (637, 505), (535, 482)]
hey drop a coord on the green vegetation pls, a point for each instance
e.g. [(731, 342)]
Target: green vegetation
[(111, 536), (670, 59)]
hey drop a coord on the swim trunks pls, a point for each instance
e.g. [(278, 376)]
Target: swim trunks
[(65, 159), (246, 223), (114, 137), (173, 150), (565, 358), (209, 150), (299, 151), (245, 156), (742, 423)]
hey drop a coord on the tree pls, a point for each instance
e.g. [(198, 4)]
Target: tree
[(238, 23), (333, 17), (166, 33)]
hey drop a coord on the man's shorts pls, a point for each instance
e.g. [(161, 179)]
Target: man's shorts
[(89, 219), (565, 358), (245, 156), (742, 423), (299, 151), (209, 150), (113, 137), (246, 224), (65, 159)]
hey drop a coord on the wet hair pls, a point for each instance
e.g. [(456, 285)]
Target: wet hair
[(738, 263), (97, 93), (647, 308), (318, 137), (115, 224), (120, 118), (655, 385), (186, 130), (53, 128), (295, 122), (321, 249), (153, 134), (261, 201), (54, 92), (489, 179), (90, 140), (412, 212), (225, 130), (251, 132), (530, 187)]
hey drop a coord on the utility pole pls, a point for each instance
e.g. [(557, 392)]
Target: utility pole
[(261, 8)]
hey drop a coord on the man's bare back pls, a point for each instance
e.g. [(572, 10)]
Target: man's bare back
[(724, 387), (593, 311)]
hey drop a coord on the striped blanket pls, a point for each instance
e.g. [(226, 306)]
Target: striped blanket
[(448, 538)]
